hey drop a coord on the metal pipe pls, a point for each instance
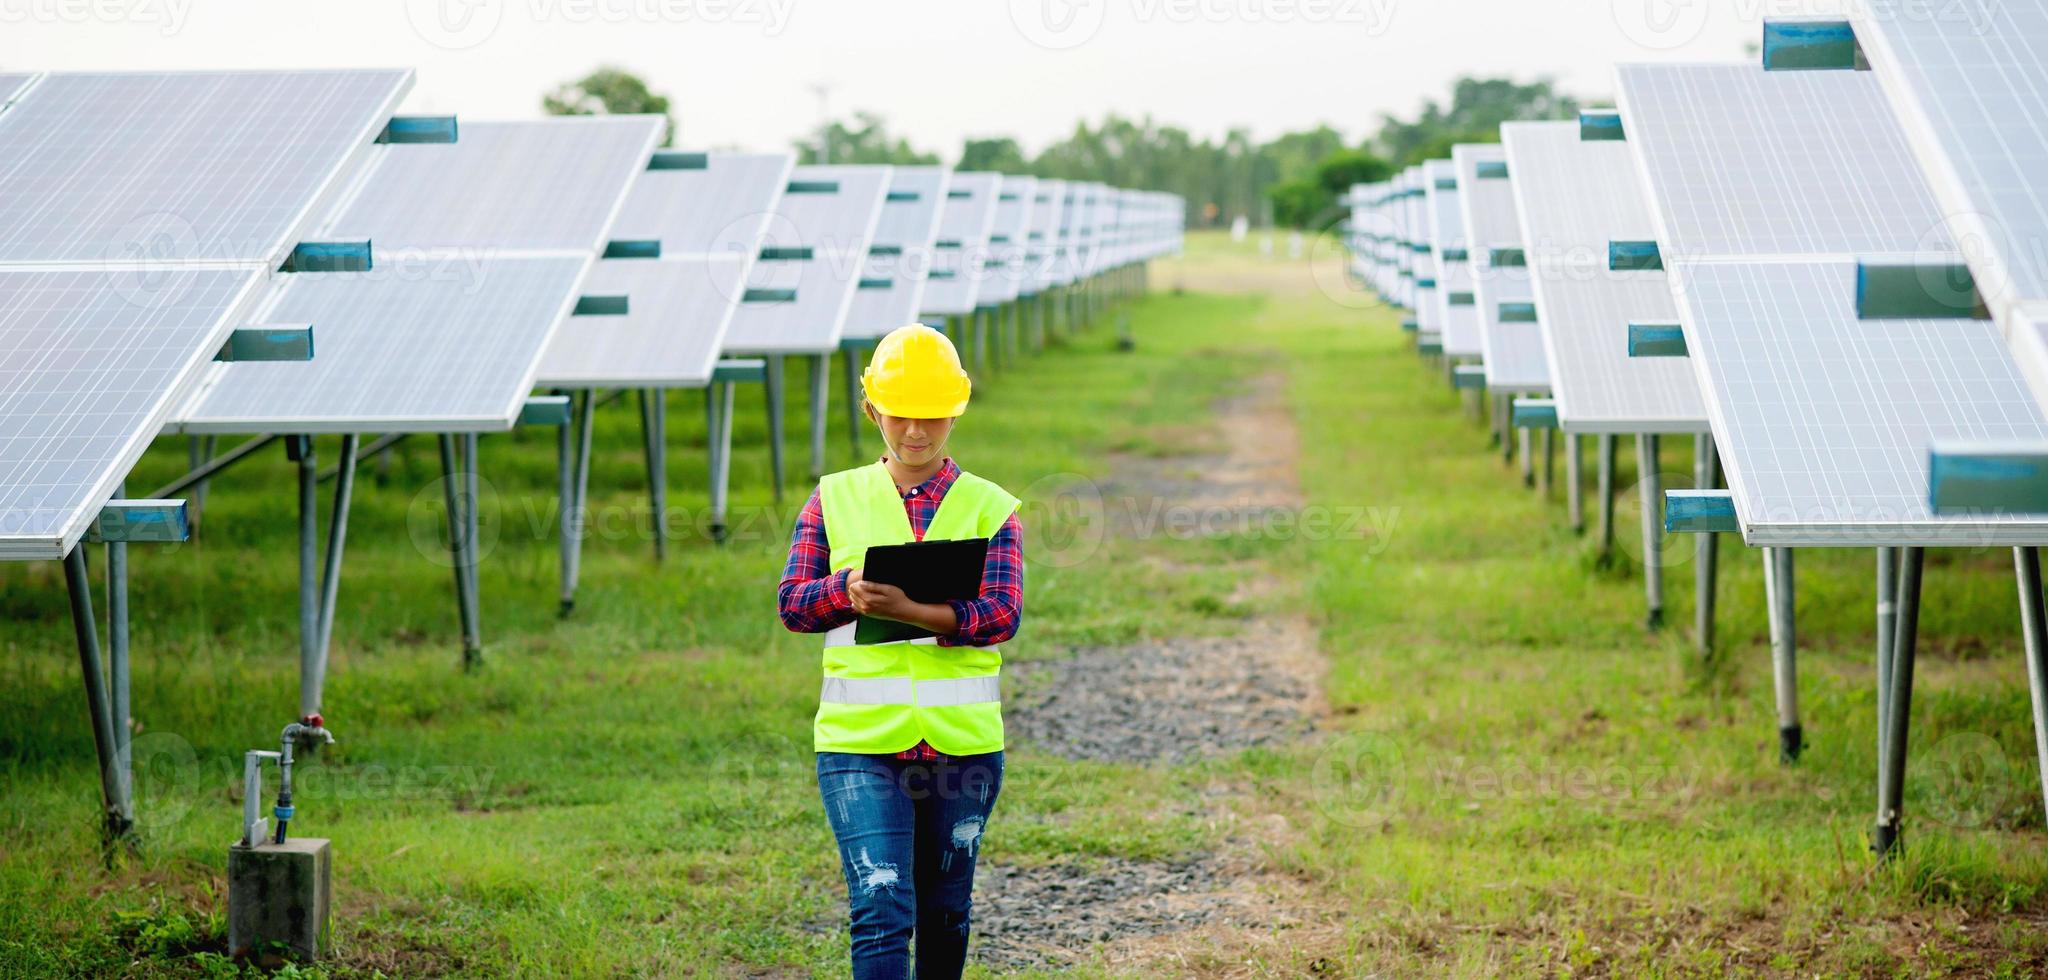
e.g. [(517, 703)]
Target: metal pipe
[(309, 575), (1606, 492), (854, 396), (1649, 492), (1574, 488), (330, 578), (451, 494), (771, 383), (1522, 439), (2027, 561), (1781, 590), (375, 450), (117, 659), (1706, 559), (725, 456), (1549, 461), (1506, 403), (565, 495), (1891, 772), (579, 515), (115, 804), (821, 395), (473, 498), (977, 330), (200, 473), (657, 486), (1887, 618), (715, 450)]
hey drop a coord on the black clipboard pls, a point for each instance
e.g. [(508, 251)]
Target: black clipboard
[(926, 571)]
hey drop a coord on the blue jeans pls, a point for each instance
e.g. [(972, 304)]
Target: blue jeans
[(908, 834)]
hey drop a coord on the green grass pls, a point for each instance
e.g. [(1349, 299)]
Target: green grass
[(1514, 778)]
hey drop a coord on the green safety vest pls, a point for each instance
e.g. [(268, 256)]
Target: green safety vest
[(884, 697)]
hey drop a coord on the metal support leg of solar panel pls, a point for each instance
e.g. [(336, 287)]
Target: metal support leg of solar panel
[(1605, 446), (572, 449), (718, 406), (2027, 566), (654, 443), (108, 731), (1575, 504), (1780, 592), (850, 368), (1706, 476), (1896, 711), (459, 494), (1651, 494), (773, 382), (320, 579), (821, 402)]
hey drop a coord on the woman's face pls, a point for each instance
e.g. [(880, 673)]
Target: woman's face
[(913, 442)]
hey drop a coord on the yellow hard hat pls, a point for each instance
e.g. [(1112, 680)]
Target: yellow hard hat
[(916, 374)]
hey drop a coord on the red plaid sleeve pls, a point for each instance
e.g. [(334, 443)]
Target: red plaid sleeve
[(812, 598), (994, 617)]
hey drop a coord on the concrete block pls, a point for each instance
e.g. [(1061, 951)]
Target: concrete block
[(278, 897)]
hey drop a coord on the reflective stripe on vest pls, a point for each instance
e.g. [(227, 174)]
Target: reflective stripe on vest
[(941, 693), (886, 697)]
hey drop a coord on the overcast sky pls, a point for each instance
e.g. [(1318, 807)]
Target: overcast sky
[(740, 72)]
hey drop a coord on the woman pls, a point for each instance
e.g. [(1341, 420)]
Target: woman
[(909, 735)]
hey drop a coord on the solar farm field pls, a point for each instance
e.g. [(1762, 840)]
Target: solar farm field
[(1402, 782)]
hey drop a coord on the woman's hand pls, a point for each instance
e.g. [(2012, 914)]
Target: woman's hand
[(878, 600)]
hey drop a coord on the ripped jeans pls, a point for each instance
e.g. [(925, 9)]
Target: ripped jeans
[(908, 835)]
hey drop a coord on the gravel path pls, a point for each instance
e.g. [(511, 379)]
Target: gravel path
[(1159, 703), (1167, 701), (1048, 915)]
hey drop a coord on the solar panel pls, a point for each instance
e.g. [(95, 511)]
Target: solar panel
[(446, 352), (710, 221), (678, 311), (893, 279), (1043, 238), (1511, 346), (446, 334), (1065, 260), (964, 226), (1968, 90), (1572, 197), (1824, 421), (1445, 219), (1009, 240), (720, 208), (90, 362), (820, 235), (1750, 162), (502, 186), (179, 167), (11, 84)]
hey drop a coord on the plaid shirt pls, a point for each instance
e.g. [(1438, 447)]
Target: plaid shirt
[(812, 598)]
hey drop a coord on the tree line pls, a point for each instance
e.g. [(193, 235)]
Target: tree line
[(1293, 181)]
